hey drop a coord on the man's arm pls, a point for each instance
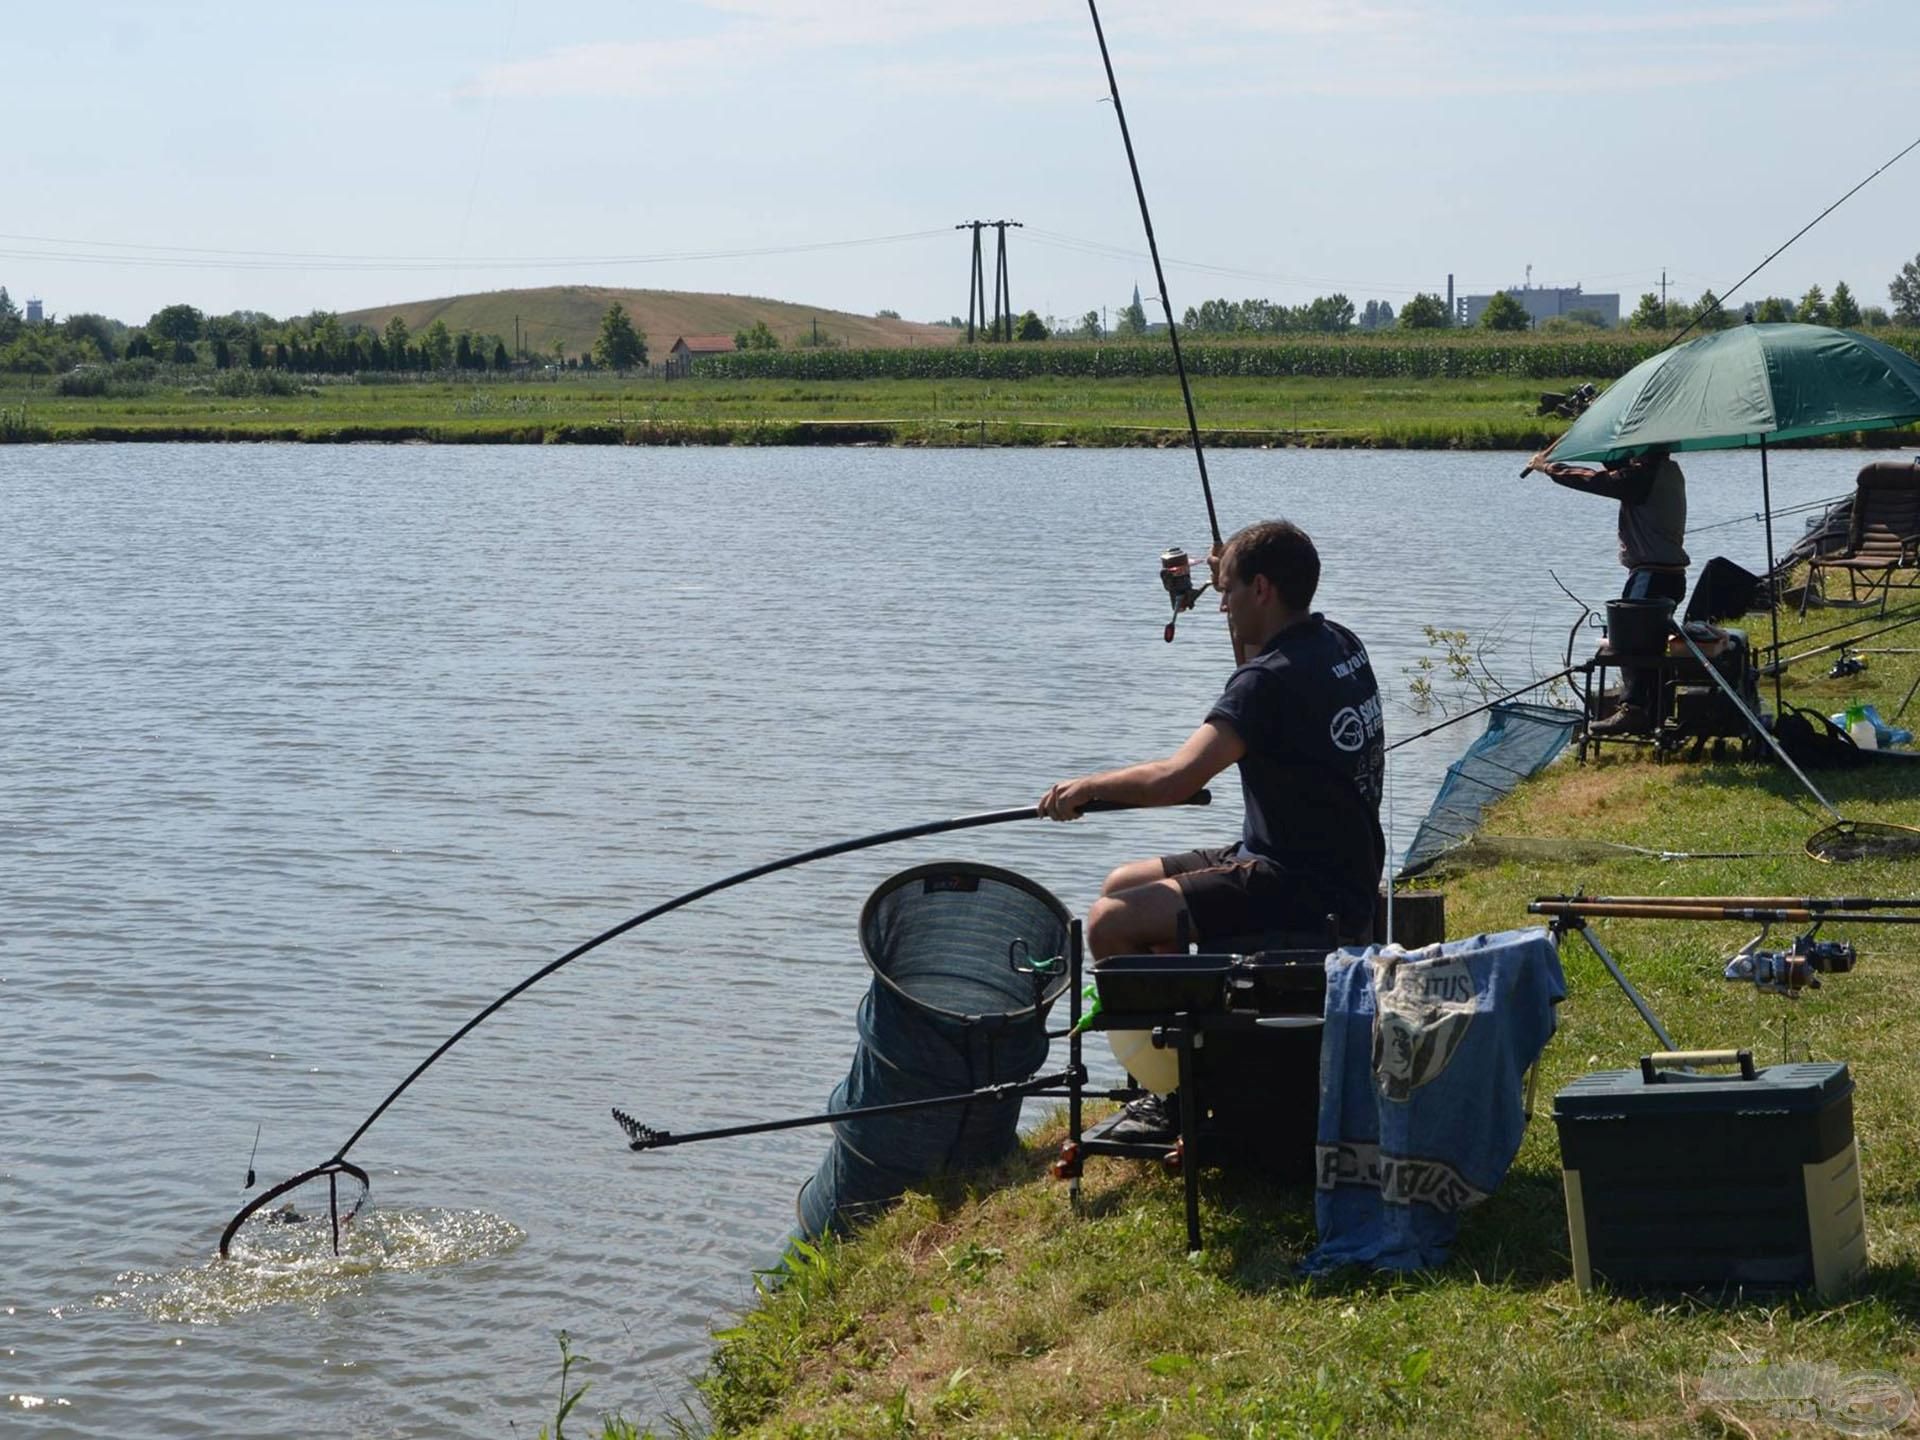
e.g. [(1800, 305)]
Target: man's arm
[(1208, 751), (1629, 483)]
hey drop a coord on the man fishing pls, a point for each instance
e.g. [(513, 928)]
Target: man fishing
[(1301, 717), (1653, 522)]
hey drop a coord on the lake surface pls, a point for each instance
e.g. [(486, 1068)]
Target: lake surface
[(311, 752)]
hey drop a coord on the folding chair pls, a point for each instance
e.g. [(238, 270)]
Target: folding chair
[(1884, 535)]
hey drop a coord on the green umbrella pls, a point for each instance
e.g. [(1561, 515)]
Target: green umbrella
[(1750, 385)]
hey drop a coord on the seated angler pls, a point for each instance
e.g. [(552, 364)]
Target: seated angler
[(1301, 718)]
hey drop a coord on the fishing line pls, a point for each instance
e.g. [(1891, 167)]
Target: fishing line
[(332, 1168), (486, 133), (1720, 300), (1910, 609), (1756, 516)]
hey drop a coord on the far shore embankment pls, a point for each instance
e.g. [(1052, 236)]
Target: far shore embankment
[(1448, 392)]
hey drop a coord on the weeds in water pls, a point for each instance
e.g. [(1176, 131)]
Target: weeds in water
[(614, 1426)]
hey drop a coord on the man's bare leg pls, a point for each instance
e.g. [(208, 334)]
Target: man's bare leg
[(1139, 920), (1133, 874)]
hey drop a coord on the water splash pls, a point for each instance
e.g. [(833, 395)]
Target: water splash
[(277, 1264)]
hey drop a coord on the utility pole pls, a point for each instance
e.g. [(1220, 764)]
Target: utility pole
[(1663, 297), (977, 283)]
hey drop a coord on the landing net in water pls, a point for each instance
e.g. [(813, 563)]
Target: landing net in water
[(307, 1214)]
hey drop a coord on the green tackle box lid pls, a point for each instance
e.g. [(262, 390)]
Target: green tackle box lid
[(1808, 1087)]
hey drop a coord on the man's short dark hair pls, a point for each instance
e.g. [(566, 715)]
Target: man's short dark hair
[(1281, 551)]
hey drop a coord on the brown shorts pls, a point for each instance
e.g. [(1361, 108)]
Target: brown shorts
[(1232, 894)]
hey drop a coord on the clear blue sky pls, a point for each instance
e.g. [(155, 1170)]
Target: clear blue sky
[(1299, 146)]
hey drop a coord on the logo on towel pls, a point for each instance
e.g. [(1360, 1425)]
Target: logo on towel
[(1422, 1009), (1400, 1179)]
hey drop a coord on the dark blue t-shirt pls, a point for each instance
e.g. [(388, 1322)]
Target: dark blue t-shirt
[(1308, 711)]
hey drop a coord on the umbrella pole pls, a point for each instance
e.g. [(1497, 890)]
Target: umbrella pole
[(1773, 581)]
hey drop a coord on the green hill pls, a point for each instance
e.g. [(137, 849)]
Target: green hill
[(570, 314)]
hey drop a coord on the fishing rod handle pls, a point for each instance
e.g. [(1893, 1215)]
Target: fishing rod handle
[(1101, 807), (1799, 902), (1602, 910)]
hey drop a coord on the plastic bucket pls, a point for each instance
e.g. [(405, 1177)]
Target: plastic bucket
[(1638, 627)]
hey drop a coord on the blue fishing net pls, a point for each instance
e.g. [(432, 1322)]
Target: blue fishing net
[(966, 961), (1520, 740)]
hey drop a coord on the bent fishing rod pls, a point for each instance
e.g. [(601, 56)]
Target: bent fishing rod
[(339, 1165)]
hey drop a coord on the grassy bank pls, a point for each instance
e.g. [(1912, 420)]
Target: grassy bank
[(604, 410), (990, 1308), (608, 411)]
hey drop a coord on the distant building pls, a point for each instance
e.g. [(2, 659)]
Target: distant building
[(1544, 302), (689, 348), (34, 313)]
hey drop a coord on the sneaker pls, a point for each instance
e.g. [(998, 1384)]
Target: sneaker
[(1150, 1120)]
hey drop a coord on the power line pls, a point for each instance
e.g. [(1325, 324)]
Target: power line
[(206, 257)]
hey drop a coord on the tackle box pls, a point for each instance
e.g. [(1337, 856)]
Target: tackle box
[(1690, 1179)]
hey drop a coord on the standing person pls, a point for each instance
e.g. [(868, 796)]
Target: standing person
[(1653, 523)]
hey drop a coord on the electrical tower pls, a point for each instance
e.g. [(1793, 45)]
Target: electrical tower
[(1002, 288)]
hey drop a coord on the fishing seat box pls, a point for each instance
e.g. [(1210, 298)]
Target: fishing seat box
[(1680, 1180), (1258, 1085)]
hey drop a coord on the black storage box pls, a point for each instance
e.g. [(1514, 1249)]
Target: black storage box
[(1260, 1087), (1696, 1181)]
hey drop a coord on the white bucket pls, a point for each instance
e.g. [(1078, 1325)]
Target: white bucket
[(1157, 1070)]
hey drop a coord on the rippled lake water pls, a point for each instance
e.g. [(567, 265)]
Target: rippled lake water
[(310, 752)]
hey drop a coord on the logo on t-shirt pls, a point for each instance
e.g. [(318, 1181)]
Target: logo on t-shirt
[(1347, 730)]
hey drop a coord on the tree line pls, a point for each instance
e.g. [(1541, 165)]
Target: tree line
[(319, 343), (1336, 314)]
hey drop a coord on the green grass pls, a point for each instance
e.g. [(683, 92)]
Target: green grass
[(1425, 414), (988, 1307)]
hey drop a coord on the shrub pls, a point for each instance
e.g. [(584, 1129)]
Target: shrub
[(91, 381)]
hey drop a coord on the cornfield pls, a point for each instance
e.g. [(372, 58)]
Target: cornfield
[(1442, 357)]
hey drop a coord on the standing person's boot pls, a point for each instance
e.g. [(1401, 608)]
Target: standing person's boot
[(1631, 718)]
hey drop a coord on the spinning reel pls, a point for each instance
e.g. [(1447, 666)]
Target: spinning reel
[(1176, 574), (1788, 972)]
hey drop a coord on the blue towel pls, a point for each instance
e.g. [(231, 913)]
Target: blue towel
[(1420, 1079)]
